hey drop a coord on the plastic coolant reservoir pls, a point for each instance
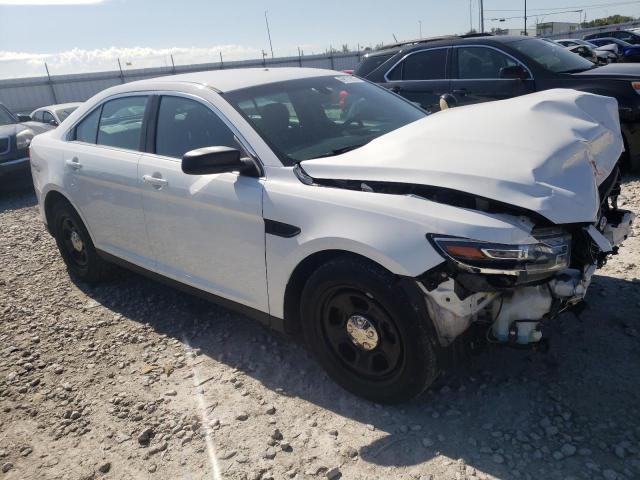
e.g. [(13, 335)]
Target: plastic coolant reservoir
[(527, 306)]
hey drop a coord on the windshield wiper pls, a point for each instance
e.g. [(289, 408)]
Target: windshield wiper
[(342, 150)]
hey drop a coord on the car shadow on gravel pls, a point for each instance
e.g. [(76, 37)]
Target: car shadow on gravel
[(503, 412)]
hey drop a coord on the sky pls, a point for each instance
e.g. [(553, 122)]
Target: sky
[(74, 36)]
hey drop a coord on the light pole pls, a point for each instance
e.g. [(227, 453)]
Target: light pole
[(268, 32), (525, 19), (420, 25), (481, 17)]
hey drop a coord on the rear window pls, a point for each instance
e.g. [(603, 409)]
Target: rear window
[(87, 129), (121, 123), (424, 65), (369, 64)]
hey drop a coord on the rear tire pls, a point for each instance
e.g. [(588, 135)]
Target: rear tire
[(363, 329), (76, 247)]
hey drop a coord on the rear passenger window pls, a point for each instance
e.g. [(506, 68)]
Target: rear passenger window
[(184, 125), (427, 65), (87, 129), (121, 123)]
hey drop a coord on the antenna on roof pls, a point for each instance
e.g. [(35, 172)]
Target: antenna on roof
[(394, 37)]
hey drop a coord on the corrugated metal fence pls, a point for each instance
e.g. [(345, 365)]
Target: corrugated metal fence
[(26, 94)]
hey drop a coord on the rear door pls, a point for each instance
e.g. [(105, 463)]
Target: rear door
[(421, 76), (478, 78), (102, 176), (204, 230)]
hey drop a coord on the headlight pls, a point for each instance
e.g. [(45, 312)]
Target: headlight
[(552, 253), (23, 139)]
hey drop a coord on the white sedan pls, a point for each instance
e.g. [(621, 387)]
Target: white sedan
[(53, 115), (325, 205)]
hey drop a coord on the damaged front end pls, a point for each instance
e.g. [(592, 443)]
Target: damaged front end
[(514, 289)]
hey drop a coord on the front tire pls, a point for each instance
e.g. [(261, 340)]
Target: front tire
[(363, 329), (76, 247)]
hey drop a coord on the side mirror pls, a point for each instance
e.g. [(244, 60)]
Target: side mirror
[(210, 160), (53, 123), (448, 101), (514, 72), (24, 118)]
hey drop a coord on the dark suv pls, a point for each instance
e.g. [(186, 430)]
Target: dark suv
[(483, 68), (624, 35), (15, 138)]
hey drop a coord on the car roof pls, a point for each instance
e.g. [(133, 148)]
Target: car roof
[(239, 78), (59, 106), (450, 40)]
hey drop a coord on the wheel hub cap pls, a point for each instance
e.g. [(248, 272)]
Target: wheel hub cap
[(76, 241), (362, 333)]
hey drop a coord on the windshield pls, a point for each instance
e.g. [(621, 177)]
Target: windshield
[(64, 113), (551, 56), (6, 118), (321, 116)]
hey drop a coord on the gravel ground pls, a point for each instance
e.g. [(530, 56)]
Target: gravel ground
[(133, 380)]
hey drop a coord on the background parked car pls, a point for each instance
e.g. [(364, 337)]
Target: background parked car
[(603, 55), (485, 68), (15, 138), (624, 35), (626, 51), (53, 115)]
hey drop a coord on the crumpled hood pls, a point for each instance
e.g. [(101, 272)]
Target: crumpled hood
[(546, 152)]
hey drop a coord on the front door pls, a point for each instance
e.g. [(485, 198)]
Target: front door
[(478, 77), (103, 177), (205, 230)]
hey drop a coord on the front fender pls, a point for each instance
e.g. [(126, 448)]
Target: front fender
[(389, 230)]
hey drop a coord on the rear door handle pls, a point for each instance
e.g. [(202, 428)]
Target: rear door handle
[(155, 181), (74, 163)]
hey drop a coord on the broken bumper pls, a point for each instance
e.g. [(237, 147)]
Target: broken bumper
[(514, 313)]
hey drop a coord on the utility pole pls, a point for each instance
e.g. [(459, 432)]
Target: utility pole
[(420, 24), (525, 19), (268, 32), (481, 16), (121, 73), (50, 82), (470, 16)]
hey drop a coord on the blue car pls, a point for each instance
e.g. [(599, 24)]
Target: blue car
[(626, 51)]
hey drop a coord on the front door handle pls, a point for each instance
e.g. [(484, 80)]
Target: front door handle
[(157, 182), (74, 163), (460, 91)]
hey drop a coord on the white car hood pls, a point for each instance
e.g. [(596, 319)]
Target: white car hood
[(546, 152)]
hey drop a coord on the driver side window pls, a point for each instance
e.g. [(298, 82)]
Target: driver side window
[(47, 117), (482, 63), (185, 125)]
